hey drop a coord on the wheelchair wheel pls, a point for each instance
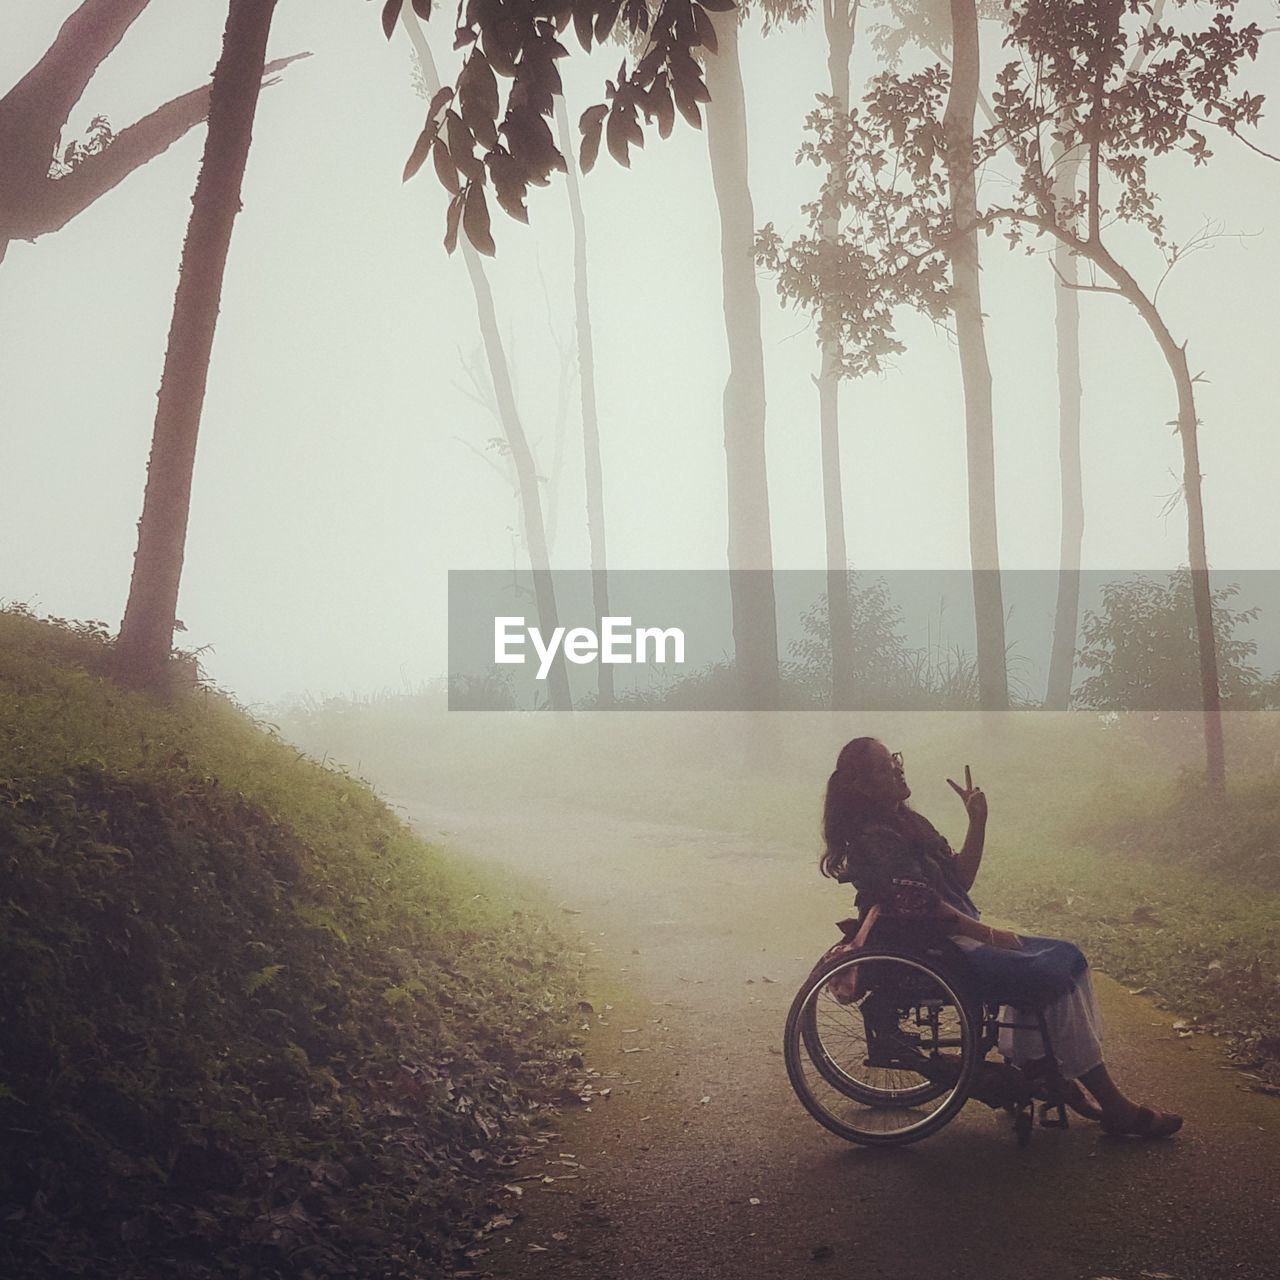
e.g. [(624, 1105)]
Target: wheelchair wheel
[(882, 1047)]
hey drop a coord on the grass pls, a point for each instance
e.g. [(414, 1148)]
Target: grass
[(249, 1024), (1100, 831)]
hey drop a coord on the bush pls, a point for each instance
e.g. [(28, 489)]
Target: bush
[(1143, 650)]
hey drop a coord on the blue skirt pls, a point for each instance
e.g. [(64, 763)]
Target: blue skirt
[(1041, 971)]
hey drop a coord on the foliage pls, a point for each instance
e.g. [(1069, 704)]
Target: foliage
[(97, 139), (491, 691), (879, 655), (249, 1023), (1142, 648), (518, 42), (1102, 80)]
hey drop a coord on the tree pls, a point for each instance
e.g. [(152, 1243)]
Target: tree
[(146, 634), (1076, 83), (1066, 613), (590, 412), (42, 192), (469, 208), (975, 369), (750, 548), (1141, 646), (821, 271), (518, 42), (839, 22)]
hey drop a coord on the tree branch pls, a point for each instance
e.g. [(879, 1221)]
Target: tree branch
[(59, 200), (37, 107), (1082, 288)]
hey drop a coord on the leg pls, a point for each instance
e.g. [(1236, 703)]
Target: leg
[(1121, 1115)]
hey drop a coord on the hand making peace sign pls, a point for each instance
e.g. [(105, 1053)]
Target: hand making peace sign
[(975, 802)]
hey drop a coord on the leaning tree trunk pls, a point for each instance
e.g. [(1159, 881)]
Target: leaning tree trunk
[(839, 17), (509, 415), (1066, 617), (750, 547), (962, 101), (146, 634), (590, 414), (1175, 355)]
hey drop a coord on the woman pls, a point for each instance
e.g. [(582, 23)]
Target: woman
[(898, 861)]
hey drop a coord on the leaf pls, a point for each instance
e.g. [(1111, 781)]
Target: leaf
[(717, 6), (582, 20), (261, 978), (475, 219), (452, 219), (446, 170), (509, 184), (622, 130), (605, 19), (390, 12), (441, 97), (418, 156), (423, 9), (687, 104), (478, 91), (591, 125), (659, 100), (461, 147), (706, 32)]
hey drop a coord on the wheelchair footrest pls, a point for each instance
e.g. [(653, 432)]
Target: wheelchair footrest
[(1058, 1121)]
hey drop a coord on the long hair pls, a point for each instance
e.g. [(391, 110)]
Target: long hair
[(847, 811)]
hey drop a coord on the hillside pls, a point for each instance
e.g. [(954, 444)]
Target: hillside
[(249, 1023)]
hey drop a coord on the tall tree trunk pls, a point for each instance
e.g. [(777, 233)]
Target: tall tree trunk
[(508, 414), (1066, 618), (839, 18), (993, 679), (587, 390), (146, 634), (750, 546)]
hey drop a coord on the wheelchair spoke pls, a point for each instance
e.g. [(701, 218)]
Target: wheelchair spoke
[(880, 1049)]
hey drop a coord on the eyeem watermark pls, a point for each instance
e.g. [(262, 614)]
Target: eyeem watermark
[(618, 642)]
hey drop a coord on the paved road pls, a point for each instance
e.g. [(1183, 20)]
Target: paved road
[(701, 1163)]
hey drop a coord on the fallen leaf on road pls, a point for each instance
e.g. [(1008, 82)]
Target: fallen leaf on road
[(706, 1097)]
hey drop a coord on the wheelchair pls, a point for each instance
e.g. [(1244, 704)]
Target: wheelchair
[(886, 1041)]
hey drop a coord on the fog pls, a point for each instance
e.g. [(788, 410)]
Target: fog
[(337, 480)]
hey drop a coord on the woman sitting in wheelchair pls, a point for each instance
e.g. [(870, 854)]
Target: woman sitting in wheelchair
[(899, 863)]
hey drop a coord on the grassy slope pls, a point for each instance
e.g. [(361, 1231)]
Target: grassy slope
[(248, 1020), (1099, 832)]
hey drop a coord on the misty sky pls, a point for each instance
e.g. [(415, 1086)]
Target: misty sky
[(334, 485)]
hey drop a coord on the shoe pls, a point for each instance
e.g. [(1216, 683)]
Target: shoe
[(1145, 1123)]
